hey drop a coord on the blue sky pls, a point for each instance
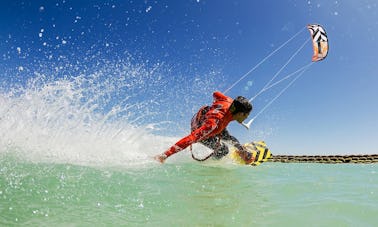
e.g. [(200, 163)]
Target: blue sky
[(201, 46)]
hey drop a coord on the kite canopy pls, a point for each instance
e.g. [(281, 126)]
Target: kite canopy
[(319, 41)]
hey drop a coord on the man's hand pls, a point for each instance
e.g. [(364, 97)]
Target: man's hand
[(160, 158), (246, 156)]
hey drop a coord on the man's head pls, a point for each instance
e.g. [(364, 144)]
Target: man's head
[(240, 108)]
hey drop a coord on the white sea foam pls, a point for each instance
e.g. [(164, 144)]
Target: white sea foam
[(112, 114), (77, 120)]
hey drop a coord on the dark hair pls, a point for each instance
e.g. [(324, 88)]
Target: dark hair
[(241, 104)]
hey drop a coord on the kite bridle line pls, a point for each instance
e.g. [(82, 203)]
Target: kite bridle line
[(279, 71), (263, 60), (283, 79), (269, 84), (302, 71)]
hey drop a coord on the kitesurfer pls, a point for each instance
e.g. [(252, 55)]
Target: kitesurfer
[(208, 126)]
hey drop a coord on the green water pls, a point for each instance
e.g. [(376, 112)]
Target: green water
[(188, 194)]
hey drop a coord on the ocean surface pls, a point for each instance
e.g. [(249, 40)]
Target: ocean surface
[(77, 151), (187, 193)]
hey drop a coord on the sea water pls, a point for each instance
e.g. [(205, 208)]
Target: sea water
[(187, 194), (77, 151)]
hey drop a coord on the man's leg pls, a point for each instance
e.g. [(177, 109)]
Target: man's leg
[(220, 149)]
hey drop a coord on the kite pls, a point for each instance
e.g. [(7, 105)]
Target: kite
[(319, 41)]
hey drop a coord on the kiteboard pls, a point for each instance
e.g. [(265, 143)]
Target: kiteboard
[(259, 151)]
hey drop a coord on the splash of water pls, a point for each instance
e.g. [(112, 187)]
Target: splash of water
[(97, 117)]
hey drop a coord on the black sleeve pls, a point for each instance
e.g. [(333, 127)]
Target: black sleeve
[(227, 136)]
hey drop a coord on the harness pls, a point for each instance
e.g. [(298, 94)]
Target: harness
[(200, 159), (208, 156)]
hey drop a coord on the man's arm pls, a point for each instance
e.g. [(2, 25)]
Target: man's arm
[(199, 134), (243, 153), (227, 136)]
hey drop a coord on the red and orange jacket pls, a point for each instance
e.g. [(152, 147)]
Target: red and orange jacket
[(214, 121)]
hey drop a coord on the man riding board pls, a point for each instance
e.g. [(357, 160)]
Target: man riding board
[(208, 127)]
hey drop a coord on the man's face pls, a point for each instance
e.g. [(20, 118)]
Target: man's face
[(240, 117)]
